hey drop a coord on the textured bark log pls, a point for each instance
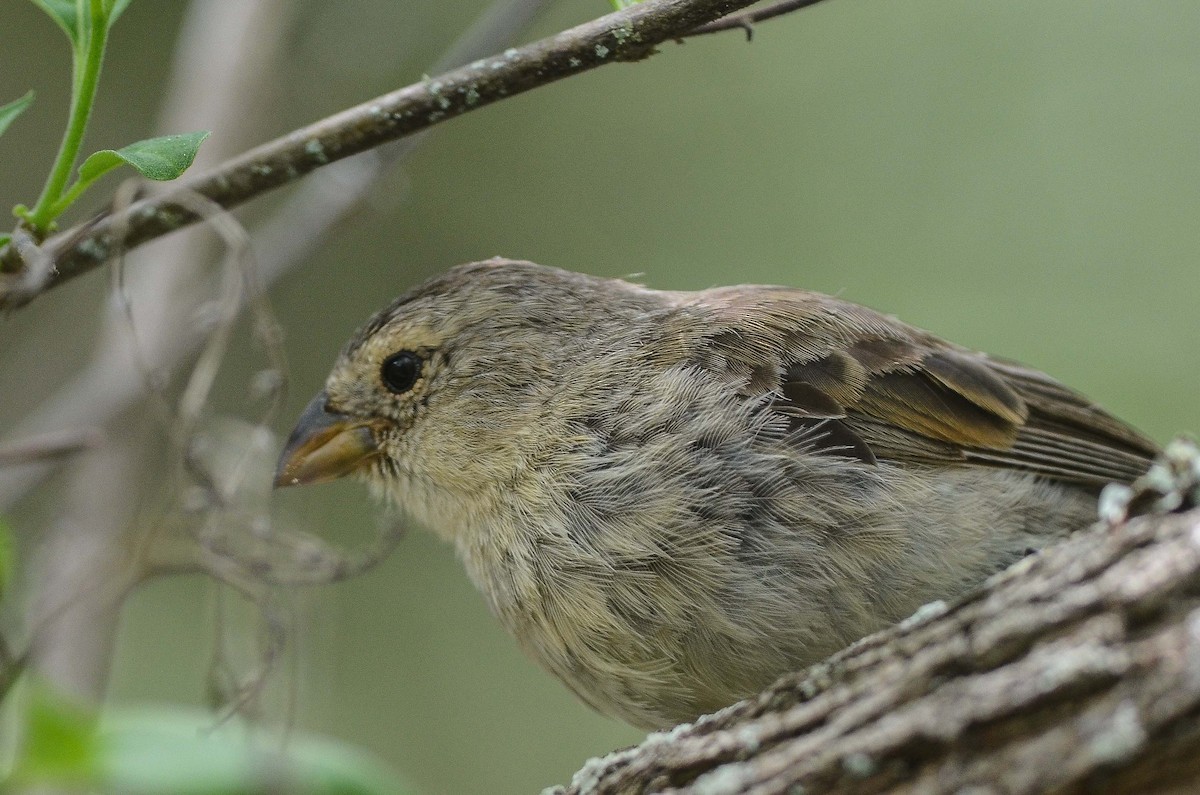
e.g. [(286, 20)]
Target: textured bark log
[(1077, 670)]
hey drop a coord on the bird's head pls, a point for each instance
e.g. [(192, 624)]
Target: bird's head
[(443, 393)]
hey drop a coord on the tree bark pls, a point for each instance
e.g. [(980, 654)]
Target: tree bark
[(1077, 670)]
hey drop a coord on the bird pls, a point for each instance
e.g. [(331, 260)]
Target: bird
[(672, 498)]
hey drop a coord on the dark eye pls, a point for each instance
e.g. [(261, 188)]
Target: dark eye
[(401, 371)]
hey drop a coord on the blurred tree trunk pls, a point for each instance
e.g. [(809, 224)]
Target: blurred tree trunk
[(1077, 670)]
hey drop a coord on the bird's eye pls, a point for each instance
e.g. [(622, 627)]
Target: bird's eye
[(401, 371)]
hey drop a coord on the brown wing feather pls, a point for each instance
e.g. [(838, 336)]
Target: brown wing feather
[(855, 382)]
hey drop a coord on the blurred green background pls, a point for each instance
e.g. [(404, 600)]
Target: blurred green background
[(1020, 177)]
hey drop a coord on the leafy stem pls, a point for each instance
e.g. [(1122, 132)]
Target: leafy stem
[(86, 24), (88, 56)]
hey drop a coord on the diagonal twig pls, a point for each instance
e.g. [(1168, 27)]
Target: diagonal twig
[(49, 445), (747, 20), (628, 35)]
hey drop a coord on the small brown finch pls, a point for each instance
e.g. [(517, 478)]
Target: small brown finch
[(672, 498)]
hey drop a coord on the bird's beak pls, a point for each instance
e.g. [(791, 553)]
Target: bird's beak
[(324, 446)]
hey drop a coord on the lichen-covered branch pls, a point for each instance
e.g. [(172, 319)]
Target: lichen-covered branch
[(1077, 670), (628, 35)]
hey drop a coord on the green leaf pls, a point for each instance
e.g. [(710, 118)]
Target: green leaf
[(63, 14), (155, 158), (176, 752), (179, 752), (5, 239), (60, 741), (14, 109), (160, 158)]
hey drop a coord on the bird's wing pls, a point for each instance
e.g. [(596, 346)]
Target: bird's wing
[(859, 383)]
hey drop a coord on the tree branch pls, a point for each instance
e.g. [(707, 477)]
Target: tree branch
[(1077, 670), (747, 20), (628, 35)]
